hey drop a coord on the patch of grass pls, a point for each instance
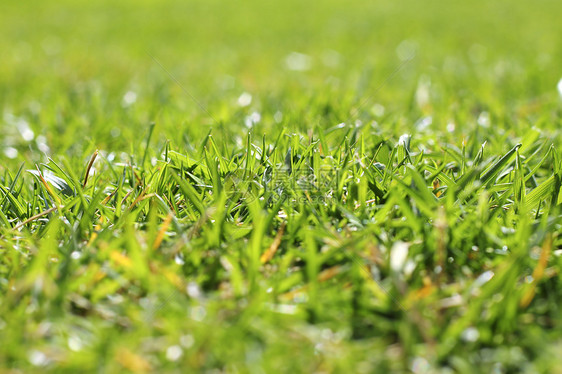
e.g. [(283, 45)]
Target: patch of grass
[(322, 206)]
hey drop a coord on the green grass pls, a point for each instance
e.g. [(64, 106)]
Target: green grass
[(175, 196)]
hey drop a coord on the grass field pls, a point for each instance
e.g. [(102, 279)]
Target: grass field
[(263, 187)]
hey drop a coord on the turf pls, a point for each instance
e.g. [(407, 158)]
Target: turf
[(259, 187)]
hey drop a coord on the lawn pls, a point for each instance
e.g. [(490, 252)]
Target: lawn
[(263, 187)]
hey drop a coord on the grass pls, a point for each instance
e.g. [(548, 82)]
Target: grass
[(358, 187)]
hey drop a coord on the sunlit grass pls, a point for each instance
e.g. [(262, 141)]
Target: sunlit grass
[(289, 188)]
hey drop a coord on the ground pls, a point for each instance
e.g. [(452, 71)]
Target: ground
[(358, 186)]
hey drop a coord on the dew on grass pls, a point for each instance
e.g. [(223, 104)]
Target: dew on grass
[(129, 98), (41, 142), (318, 348), (10, 152), (178, 259), (502, 250), (75, 343), (245, 99), (398, 255), (187, 341), (278, 117), (484, 119), (64, 219), (404, 140), (193, 290), (198, 313), (453, 301), (298, 61), (420, 365), (423, 95), (470, 335), (409, 267), (38, 358), (507, 230), (379, 166), (288, 309), (174, 353), (559, 86), (23, 127), (423, 123), (483, 278), (252, 119)]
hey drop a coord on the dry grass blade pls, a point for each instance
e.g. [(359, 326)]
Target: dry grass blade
[(162, 232), (92, 159), (47, 187), (538, 273), (270, 252), (37, 216)]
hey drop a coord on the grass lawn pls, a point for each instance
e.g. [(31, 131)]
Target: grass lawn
[(263, 187)]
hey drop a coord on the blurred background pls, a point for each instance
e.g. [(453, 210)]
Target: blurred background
[(76, 75)]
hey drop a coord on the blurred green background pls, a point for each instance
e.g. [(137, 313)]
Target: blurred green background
[(81, 75)]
